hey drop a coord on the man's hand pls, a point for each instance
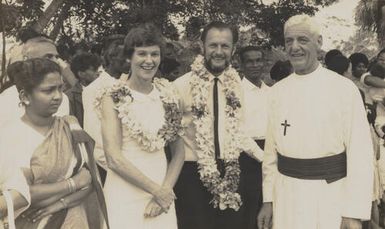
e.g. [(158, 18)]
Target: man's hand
[(350, 223), (265, 216)]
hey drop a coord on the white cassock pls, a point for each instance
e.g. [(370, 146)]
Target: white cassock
[(326, 117), (10, 109)]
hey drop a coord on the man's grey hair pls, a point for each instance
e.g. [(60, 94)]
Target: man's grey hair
[(20, 52), (30, 43), (304, 19)]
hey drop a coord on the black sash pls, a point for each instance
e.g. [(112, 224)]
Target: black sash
[(331, 168), (260, 143)]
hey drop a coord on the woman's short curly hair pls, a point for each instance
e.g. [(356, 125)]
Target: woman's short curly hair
[(142, 36)]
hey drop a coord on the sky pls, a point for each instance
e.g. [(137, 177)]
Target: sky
[(337, 22)]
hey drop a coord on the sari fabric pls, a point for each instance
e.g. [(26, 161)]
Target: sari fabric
[(59, 157)]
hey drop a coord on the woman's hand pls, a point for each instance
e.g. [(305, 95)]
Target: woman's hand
[(82, 178), (153, 209), (37, 214), (164, 197)]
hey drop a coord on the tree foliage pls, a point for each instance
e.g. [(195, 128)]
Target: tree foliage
[(92, 20), (181, 21), (370, 16)]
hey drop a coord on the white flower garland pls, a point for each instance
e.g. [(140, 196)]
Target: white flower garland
[(149, 141), (224, 190)]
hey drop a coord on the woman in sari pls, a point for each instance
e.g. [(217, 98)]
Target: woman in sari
[(54, 152), (139, 117)]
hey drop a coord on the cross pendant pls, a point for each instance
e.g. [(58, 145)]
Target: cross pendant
[(285, 124)]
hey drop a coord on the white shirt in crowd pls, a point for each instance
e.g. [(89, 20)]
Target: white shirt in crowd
[(256, 102), (326, 117), (10, 109)]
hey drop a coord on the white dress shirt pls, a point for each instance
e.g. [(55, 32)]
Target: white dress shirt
[(184, 89), (256, 102)]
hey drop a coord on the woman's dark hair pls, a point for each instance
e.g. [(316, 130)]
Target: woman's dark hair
[(357, 58), (30, 73), (339, 64), (83, 61), (141, 36), (330, 55), (377, 70)]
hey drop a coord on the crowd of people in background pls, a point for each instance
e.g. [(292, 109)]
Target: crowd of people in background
[(116, 137)]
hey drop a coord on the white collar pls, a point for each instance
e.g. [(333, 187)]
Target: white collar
[(250, 86)]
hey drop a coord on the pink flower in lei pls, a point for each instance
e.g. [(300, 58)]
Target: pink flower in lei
[(224, 190)]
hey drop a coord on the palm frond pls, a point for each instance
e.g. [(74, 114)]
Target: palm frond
[(367, 14)]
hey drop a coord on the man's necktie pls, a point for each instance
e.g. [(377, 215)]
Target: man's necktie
[(216, 123)]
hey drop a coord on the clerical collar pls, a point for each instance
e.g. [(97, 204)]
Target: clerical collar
[(311, 74)]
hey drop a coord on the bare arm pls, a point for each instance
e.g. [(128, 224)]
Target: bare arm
[(46, 202), (43, 194), (78, 197), (40, 192), (69, 201), (112, 142), (374, 81), (176, 163), (51, 200)]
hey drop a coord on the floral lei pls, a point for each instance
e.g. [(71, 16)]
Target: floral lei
[(223, 189), (122, 97)]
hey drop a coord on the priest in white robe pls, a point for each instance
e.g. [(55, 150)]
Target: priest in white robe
[(318, 162)]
